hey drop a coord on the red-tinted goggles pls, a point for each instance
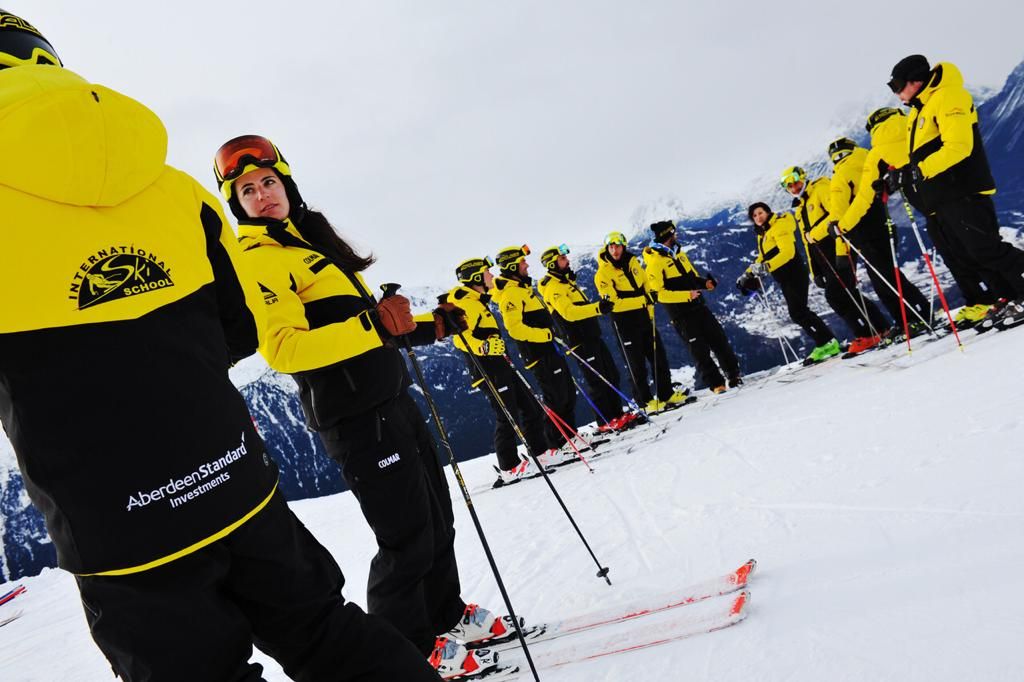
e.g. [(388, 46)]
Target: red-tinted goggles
[(248, 150)]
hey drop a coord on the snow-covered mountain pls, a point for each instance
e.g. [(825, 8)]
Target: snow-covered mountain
[(718, 238), (888, 528)]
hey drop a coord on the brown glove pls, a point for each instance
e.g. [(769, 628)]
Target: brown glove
[(442, 314), (395, 315)]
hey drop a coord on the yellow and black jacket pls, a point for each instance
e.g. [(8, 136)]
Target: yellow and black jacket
[(121, 309), (526, 318), (671, 275), (812, 212), (570, 307), (625, 284), (944, 140), (776, 242), (481, 325), (321, 326), (888, 148)]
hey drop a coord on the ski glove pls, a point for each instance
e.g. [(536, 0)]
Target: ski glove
[(902, 179), (605, 306), (395, 315), (833, 229), (494, 345), (819, 281), (757, 269), (444, 316)]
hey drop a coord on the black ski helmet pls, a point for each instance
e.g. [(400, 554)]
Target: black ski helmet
[(840, 148), (22, 44)]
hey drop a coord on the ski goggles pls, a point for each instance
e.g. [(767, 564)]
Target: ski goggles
[(512, 256), (896, 85), (616, 238), (791, 178), (550, 256), (22, 44), (236, 156)]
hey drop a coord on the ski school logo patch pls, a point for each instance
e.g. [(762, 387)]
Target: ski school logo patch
[(269, 297), (115, 273)]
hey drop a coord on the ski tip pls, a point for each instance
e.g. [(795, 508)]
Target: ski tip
[(739, 603), (740, 576)]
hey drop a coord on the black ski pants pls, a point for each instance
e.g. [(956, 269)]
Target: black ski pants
[(792, 279), (969, 226), (521, 405), (703, 335), (557, 389), (841, 291), (596, 354), (268, 583), (388, 459), (874, 245), (644, 347), (978, 286)]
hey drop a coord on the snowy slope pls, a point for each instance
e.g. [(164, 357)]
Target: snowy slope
[(882, 502)]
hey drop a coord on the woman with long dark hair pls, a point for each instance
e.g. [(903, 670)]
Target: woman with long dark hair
[(340, 345)]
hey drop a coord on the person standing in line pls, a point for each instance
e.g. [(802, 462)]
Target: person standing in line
[(531, 326), (777, 255), (677, 285), (483, 340), (888, 129), (158, 493), (579, 317), (949, 170), (620, 279), (341, 346), (830, 268)]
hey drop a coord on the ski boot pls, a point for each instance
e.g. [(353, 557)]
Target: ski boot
[(524, 469), (970, 315), (823, 352), (453, 661), (479, 627), (994, 315), (679, 398)]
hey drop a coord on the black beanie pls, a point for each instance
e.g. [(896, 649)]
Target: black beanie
[(912, 68), (662, 230), (759, 204)]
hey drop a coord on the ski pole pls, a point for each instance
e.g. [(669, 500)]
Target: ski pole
[(391, 289), (860, 293), (762, 296), (896, 270), (654, 349), (555, 418), (629, 365), (931, 269), (860, 309), (602, 570), (579, 388), (629, 401)]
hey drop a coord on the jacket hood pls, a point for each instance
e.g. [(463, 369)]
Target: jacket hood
[(944, 75), (68, 141)]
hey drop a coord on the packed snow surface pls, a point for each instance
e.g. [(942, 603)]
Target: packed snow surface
[(881, 497)]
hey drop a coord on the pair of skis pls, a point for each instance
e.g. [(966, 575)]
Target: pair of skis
[(677, 625)]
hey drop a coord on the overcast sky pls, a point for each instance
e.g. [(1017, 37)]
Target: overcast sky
[(430, 132)]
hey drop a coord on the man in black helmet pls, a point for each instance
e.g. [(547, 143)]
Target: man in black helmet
[(949, 169), (183, 548)]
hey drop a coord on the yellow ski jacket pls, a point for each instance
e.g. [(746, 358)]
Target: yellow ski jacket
[(671, 275), (624, 283), (776, 242), (321, 326), (944, 140), (888, 148), (570, 306), (812, 212), (121, 308)]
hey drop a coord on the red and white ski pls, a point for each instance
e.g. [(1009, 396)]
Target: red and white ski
[(672, 627), (715, 587)]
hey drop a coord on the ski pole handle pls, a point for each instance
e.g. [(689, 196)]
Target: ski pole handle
[(390, 289)]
